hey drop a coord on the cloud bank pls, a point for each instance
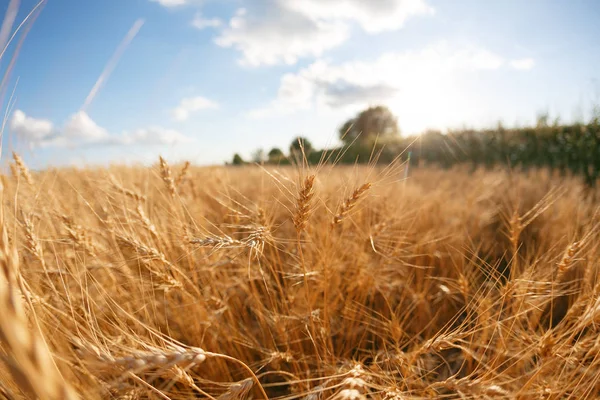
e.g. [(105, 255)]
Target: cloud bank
[(191, 105), (407, 74), (81, 131), (284, 31)]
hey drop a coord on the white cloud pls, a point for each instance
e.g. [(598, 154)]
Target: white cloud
[(523, 63), (296, 92), (200, 22), (373, 16), (359, 83), (284, 31), (191, 105), (274, 32), (344, 93), (154, 135), (30, 129), (81, 127), (80, 130), (280, 36)]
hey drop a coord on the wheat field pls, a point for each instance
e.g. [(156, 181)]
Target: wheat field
[(328, 282)]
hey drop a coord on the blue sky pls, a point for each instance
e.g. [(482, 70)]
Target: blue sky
[(202, 79)]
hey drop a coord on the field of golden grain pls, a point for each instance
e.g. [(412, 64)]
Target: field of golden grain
[(180, 282)]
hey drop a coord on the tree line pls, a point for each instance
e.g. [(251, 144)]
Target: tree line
[(568, 148)]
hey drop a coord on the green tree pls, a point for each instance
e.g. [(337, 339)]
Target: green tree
[(377, 121), (298, 145), (346, 130), (275, 155), (237, 159)]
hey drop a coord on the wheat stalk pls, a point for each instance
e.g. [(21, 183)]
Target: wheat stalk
[(24, 171), (141, 361), (150, 227), (79, 236), (348, 204), (568, 259), (303, 203), (167, 176), (239, 390), (32, 242), (28, 358), (182, 174), (129, 193)]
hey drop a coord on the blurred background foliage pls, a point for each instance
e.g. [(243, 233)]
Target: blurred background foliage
[(373, 136)]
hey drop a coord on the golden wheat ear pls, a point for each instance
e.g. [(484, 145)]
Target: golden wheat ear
[(348, 204), (167, 176), (304, 203), (181, 177), (27, 356), (22, 169)]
